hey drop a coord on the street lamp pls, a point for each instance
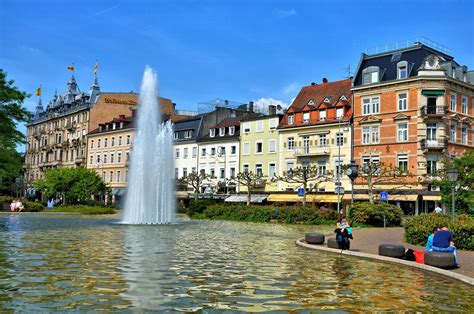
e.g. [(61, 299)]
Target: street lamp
[(453, 177), (338, 177), (352, 172)]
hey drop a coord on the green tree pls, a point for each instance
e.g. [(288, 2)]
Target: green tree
[(251, 181), (195, 180), (464, 195), (72, 184), (11, 113)]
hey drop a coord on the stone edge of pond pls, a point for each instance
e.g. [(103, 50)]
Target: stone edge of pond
[(440, 271)]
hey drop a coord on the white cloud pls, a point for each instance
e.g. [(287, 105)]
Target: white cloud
[(262, 104), (284, 13)]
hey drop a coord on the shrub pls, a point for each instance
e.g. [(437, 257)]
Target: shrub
[(5, 199), (33, 207), (197, 206), (418, 228), (373, 214), (83, 209)]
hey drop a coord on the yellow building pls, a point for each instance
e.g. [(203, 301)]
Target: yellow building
[(260, 146)]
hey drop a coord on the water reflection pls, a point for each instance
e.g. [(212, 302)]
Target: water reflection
[(70, 263)]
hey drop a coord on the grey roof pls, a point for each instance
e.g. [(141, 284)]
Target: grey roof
[(185, 125)]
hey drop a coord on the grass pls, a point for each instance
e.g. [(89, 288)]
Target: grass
[(83, 209)]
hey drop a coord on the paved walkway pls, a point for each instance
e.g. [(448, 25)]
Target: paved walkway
[(367, 240)]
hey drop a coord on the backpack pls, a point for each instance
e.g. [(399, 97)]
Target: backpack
[(409, 255)]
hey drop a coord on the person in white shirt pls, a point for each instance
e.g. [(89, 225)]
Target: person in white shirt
[(438, 209)]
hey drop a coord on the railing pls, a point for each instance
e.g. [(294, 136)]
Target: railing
[(312, 151), (441, 143), (433, 110)]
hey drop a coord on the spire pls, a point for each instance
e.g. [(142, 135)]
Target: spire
[(95, 89), (39, 109)]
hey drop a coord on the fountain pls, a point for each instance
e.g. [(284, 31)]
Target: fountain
[(150, 195)]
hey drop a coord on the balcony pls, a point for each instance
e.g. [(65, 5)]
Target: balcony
[(306, 151), (436, 144), (433, 111), (80, 160)]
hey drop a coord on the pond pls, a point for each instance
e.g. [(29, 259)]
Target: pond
[(67, 262)]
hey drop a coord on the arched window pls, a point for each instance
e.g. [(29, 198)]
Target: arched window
[(402, 69), (370, 75)]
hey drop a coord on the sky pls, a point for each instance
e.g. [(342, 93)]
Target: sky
[(242, 51)]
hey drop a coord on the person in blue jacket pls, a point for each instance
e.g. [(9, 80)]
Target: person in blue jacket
[(429, 243), (443, 241)]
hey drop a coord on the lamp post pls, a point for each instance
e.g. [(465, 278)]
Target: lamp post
[(352, 172), (339, 143), (453, 177)]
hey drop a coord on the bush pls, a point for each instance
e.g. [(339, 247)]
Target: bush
[(197, 206), (373, 214), (418, 228), (83, 209), (5, 199), (29, 206), (259, 213), (33, 207)]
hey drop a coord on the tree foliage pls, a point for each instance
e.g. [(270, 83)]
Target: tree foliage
[(11, 113), (72, 184), (251, 181), (464, 186)]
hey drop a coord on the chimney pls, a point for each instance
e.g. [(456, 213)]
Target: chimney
[(101, 126), (325, 80), (272, 110), (313, 83), (121, 117), (174, 106), (250, 106)]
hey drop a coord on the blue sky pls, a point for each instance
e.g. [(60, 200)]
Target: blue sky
[(202, 50)]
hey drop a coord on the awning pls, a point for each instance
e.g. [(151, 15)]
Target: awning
[(357, 197), (319, 198), (181, 194), (243, 198), (391, 197), (432, 197), (432, 92)]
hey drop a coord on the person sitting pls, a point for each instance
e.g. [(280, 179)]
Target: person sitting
[(19, 206), (343, 234), (443, 241), (13, 206), (429, 243)]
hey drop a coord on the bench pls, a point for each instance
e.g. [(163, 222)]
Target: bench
[(392, 250), (440, 259), (314, 238)]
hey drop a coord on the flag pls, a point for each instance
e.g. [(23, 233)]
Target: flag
[(71, 68), (38, 91), (96, 66)]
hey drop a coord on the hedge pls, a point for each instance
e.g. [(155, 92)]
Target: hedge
[(29, 206), (83, 209), (259, 213), (418, 228), (373, 214)]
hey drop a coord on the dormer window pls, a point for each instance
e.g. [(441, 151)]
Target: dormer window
[(291, 119), (176, 135), (339, 112), (212, 132), (188, 134), (402, 70), (221, 131), (370, 75), (305, 117), (311, 102), (343, 97), (232, 130), (327, 100), (113, 126), (322, 115), (121, 125)]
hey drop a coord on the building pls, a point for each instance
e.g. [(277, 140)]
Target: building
[(56, 137), (185, 146), (413, 109), (315, 131), (259, 147)]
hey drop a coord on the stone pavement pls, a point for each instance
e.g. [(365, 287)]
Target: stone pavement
[(367, 240)]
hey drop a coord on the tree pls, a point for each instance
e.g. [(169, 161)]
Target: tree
[(11, 113), (464, 196), (195, 180), (251, 181), (305, 176), (375, 173), (72, 184)]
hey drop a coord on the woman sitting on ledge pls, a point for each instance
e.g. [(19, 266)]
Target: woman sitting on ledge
[(343, 234)]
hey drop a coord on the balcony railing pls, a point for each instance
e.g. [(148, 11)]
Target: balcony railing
[(427, 111), (312, 151), (440, 143)]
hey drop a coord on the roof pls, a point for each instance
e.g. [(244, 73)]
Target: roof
[(128, 123), (319, 92), (233, 121), (261, 117)]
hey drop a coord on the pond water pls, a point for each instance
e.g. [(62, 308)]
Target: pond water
[(64, 262)]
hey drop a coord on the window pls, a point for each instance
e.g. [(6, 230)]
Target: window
[(375, 105), (212, 132), (464, 104), (126, 175), (103, 176), (105, 142), (291, 143), (232, 130), (188, 134), (375, 134), (339, 138), (128, 140), (203, 152), (176, 153), (321, 168), (272, 146), (366, 106), (339, 112), (232, 172), (221, 131), (176, 173), (453, 102), (127, 156), (195, 151), (91, 159), (245, 168), (370, 159), (306, 144), (185, 152), (431, 164), (185, 172), (291, 119), (176, 135), (119, 157), (246, 149), (338, 162), (322, 140), (259, 147), (112, 158), (452, 134), (221, 150), (120, 140), (271, 170), (213, 151), (370, 75), (258, 170), (259, 126), (371, 105), (118, 175), (222, 170), (111, 176), (98, 143), (92, 144), (402, 69), (272, 124), (402, 132), (98, 160), (305, 117), (464, 134), (213, 173), (366, 135), (104, 159), (431, 131), (246, 126), (112, 141), (402, 163), (402, 102), (233, 150), (290, 165), (322, 115)]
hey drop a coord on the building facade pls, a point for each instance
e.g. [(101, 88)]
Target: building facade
[(413, 109)]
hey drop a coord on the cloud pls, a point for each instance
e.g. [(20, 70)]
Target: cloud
[(290, 88), (284, 13), (262, 104)]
